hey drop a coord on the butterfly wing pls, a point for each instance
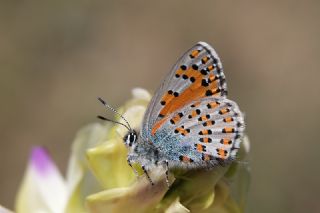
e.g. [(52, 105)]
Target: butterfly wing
[(189, 119), (206, 131), (197, 74)]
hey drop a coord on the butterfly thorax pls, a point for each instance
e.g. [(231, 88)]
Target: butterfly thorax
[(142, 151)]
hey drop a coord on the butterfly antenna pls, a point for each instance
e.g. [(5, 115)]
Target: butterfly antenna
[(116, 112), (107, 119)]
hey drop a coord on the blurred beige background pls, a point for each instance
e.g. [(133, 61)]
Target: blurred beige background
[(56, 57)]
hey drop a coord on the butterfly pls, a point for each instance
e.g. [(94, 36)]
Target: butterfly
[(189, 122)]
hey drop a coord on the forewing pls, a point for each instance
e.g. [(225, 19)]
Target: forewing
[(197, 74)]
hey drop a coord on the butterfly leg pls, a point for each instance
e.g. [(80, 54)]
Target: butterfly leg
[(130, 164), (145, 171), (167, 173)]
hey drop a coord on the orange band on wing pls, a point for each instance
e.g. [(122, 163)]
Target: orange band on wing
[(158, 125), (222, 153), (195, 91)]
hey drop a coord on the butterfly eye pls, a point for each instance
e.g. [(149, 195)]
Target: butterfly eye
[(130, 138)]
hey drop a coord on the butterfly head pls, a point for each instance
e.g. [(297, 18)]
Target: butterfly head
[(130, 138)]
